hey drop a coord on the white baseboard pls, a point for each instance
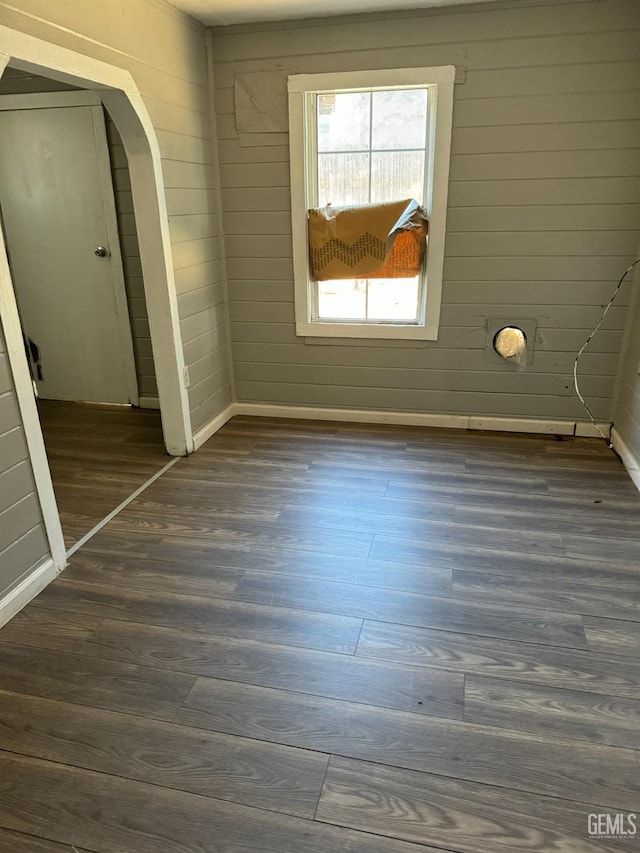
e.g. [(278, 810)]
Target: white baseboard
[(363, 416), (550, 427), (27, 589), (585, 429), (427, 419), (211, 428), (149, 403), (629, 458)]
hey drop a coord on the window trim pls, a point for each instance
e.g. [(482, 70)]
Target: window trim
[(440, 79)]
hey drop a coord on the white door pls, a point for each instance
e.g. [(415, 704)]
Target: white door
[(58, 209)]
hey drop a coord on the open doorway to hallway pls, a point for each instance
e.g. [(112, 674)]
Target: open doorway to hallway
[(70, 229)]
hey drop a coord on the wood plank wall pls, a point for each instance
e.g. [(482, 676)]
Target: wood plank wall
[(134, 282), (543, 215), (23, 542), (165, 51)]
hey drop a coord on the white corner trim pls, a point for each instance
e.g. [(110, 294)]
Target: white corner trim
[(426, 419), (212, 427), (27, 589), (629, 458), (213, 120)]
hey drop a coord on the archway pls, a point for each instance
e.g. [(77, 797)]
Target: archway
[(122, 100)]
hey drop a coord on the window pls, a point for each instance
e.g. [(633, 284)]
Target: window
[(367, 138)]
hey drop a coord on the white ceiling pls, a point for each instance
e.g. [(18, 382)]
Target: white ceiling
[(217, 12)]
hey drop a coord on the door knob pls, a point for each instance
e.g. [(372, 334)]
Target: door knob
[(100, 252)]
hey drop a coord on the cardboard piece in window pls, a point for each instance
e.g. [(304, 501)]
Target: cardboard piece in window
[(367, 240)]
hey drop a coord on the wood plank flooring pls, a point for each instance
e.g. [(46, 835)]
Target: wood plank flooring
[(98, 456), (330, 637)]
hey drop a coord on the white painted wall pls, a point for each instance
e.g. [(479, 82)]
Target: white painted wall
[(543, 206)]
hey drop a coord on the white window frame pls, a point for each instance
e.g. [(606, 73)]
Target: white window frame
[(439, 80)]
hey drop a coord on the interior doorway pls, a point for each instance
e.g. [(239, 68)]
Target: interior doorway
[(68, 414), (59, 217), (66, 236)]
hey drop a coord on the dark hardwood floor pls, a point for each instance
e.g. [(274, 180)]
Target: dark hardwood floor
[(316, 638), (98, 456)]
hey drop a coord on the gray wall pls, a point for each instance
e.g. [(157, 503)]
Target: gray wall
[(626, 414), (543, 206), (134, 282), (23, 543), (165, 51)]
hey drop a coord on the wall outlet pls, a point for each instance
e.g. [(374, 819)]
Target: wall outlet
[(187, 380)]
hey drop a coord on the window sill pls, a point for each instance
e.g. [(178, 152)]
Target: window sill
[(367, 330)]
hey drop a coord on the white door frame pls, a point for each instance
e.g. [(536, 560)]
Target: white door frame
[(91, 100), (121, 97)]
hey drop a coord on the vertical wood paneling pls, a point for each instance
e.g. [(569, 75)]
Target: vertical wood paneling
[(543, 205)]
